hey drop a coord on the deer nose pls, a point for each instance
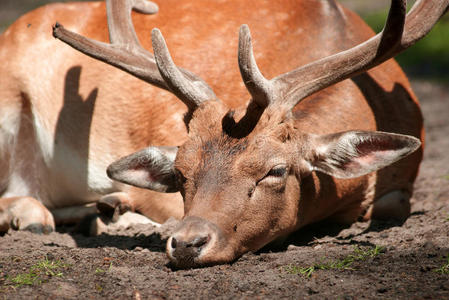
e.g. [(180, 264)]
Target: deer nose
[(185, 252), (193, 239)]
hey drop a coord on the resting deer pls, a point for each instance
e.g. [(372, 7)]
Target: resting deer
[(309, 145)]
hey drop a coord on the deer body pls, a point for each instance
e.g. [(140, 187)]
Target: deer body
[(72, 116)]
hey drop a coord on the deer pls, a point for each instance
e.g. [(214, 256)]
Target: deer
[(336, 133)]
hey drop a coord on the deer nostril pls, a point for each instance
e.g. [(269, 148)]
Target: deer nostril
[(174, 243)]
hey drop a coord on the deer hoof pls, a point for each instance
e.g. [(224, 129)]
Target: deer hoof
[(25, 213)]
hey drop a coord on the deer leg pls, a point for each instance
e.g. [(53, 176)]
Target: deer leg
[(116, 210), (393, 205), (101, 224), (159, 207), (73, 214), (115, 204), (25, 213), (155, 206), (139, 206)]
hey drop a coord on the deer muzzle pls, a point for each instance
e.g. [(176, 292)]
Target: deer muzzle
[(196, 242)]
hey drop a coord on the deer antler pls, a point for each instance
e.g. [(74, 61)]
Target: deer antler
[(126, 53), (400, 32)]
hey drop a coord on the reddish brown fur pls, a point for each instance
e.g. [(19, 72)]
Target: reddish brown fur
[(128, 115)]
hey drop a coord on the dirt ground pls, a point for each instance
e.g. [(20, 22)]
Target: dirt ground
[(364, 261)]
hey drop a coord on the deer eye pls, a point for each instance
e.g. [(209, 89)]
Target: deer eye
[(278, 171), (275, 176)]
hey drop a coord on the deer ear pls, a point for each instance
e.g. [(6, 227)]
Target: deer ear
[(151, 168), (356, 153)]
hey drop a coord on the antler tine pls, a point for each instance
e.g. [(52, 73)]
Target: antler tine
[(186, 86), (391, 35), (258, 86), (145, 7), (335, 68), (421, 18), (126, 53), (400, 32), (121, 30)]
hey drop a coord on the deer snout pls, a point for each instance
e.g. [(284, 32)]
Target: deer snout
[(187, 251), (194, 243)]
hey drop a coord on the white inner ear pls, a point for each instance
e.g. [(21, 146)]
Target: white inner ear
[(339, 151), (353, 154), (375, 156), (139, 177), (151, 168)]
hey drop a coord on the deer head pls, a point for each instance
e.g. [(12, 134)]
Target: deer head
[(241, 172)]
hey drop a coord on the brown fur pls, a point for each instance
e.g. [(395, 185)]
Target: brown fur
[(103, 114)]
